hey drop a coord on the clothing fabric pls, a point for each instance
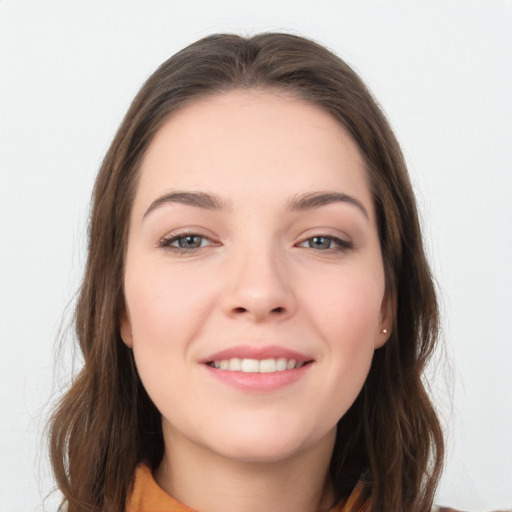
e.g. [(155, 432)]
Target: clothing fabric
[(147, 496)]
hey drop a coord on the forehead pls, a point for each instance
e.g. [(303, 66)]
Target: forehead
[(253, 142)]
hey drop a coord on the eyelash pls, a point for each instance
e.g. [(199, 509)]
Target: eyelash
[(167, 243), (341, 245)]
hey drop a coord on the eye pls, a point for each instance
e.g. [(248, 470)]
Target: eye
[(326, 243), (187, 242)]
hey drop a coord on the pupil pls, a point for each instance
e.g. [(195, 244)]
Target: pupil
[(190, 241), (320, 242)]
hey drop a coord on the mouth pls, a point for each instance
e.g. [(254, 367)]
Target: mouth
[(258, 369), (270, 365)]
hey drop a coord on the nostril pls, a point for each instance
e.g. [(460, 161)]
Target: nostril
[(277, 310), (240, 310)]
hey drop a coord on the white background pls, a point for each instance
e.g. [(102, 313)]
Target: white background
[(443, 72)]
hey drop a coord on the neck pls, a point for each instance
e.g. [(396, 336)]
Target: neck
[(209, 482)]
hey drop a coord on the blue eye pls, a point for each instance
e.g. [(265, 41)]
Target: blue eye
[(185, 242), (189, 241), (325, 243)]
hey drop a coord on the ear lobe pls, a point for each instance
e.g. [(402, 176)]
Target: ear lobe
[(125, 329), (387, 315)]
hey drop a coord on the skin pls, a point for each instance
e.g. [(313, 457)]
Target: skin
[(258, 278)]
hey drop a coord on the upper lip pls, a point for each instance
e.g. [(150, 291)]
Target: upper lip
[(256, 352)]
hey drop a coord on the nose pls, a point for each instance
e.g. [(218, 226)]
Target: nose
[(258, 287)]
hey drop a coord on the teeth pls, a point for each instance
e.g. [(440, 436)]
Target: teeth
[(281, 364), (235, 364), (290, 364), (256, 366), (268, 366), (250, 365)]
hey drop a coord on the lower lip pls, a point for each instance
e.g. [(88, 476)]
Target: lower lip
[(259, 382)]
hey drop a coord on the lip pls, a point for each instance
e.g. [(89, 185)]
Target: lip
[(258, 382), (256, 352)]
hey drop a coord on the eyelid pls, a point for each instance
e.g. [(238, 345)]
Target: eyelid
[(168, 239), (342, 243)]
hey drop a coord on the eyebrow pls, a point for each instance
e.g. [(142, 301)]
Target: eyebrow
[(317, 199), (197, 199), (302, 202)]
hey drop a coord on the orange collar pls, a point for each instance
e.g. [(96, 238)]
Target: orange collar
[(147, 496)]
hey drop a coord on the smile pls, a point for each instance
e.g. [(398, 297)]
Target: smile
[(258, 368), (270, 365)]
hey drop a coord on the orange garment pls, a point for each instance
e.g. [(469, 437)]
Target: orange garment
[(147, 496)]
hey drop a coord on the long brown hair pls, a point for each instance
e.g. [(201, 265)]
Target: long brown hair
[(106, 424)]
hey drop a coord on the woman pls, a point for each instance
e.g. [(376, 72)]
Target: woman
[(257, 310)]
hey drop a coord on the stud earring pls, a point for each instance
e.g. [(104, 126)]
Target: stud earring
[(384, 331)]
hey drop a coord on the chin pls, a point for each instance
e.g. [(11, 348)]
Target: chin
[(259, 452), (266, 445)]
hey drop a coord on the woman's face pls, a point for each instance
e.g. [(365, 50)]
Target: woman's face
[(254, 281)]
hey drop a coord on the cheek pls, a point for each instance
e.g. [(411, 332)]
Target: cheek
[(348, 306), (164, 310), (164, 306), (348, 313)]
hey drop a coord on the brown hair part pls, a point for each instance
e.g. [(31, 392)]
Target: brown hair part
[(106, 424)]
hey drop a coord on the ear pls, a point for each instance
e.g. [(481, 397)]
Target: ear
[(387, 315), (125, 328)]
